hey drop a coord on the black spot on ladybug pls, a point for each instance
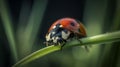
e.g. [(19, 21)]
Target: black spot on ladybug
[(72, 24)]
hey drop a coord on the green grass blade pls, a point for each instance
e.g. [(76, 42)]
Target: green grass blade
[(7, 23), (37, 55), (26, 34), (103, 38), (35, 19)]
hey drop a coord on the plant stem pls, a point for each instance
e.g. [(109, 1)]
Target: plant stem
[(37, 55), (98, 39), (108, 37)]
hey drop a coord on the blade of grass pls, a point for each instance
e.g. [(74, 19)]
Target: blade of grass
[(8, 28), (35, 19), (108, 37), (37, 54), (28, 34), (116, 26)]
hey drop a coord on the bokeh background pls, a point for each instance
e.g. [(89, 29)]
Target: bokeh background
[(24, 23)]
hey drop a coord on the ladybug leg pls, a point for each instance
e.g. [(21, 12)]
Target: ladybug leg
[(85, 47), (59, 43), (46, 43), (62, 44)]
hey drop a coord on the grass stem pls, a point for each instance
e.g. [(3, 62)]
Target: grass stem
[(98, 39)]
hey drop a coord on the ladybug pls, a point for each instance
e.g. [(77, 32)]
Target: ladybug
[(64, 30)]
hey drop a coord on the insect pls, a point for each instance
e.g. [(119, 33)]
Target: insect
[(63, 30)]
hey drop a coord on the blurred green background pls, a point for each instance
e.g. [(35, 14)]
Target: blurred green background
[(24, 23)]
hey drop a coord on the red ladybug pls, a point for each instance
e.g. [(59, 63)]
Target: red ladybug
[(63, 30)]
